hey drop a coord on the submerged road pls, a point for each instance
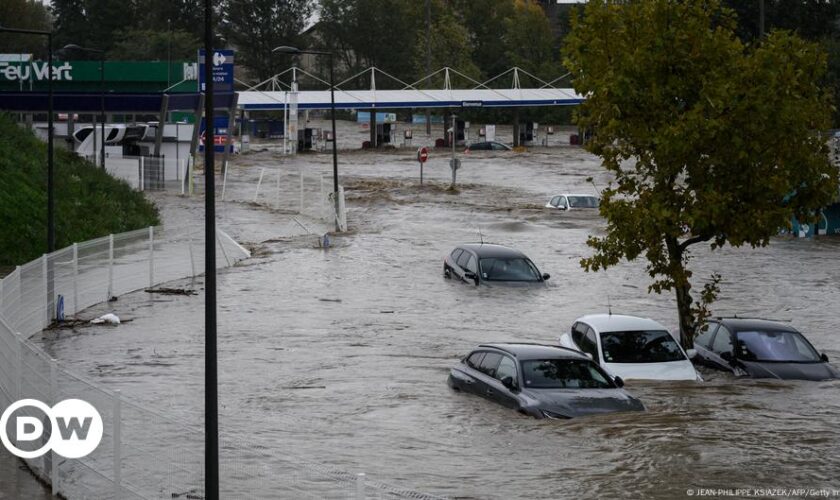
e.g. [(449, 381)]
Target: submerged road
[(340, 357)]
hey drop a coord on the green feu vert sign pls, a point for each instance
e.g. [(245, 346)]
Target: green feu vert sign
[(13, 72), (124, 76)]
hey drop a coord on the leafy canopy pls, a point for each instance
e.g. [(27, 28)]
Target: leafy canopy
[(705, 137)]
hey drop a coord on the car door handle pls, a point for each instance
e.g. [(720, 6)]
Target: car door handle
[(489, 392), (468, 382)]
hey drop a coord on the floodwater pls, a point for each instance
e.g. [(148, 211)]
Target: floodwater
[(340, 357)]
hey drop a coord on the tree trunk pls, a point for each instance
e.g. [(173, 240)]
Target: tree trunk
[(682, 289)]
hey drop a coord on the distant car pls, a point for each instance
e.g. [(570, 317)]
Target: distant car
[(573, 201), (488, 146), (761, 349), (631, 347), (488, 264), (541, 381)]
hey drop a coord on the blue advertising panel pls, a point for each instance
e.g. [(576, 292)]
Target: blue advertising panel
[(220, 130), (222, 61)]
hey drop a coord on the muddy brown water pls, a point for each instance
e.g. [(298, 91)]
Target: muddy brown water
[(340, 357)]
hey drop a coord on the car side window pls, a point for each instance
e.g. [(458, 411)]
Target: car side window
[(561, 203), (455, 254), (474, 361), (590, 344), (462, 259), (471, 265), (490, 363), (707, 331), (507, 368), (578, 331), (497, 147), (723, 341), (555, 201)]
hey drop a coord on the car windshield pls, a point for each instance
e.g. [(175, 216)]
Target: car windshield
[(775, 345), (583, 202), (641, 346), (564, 374), (508, 269)]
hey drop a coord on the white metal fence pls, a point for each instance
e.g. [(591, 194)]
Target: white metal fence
[(144, 453)]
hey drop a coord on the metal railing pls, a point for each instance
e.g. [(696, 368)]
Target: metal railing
[(144, 453)]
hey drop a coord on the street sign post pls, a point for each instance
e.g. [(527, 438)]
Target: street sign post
[(222, 70), (422, 156)]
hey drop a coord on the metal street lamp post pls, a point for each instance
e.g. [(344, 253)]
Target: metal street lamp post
[(101, 53), (50, 187), (295, 51)]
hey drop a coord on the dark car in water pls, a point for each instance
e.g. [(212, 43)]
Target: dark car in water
[(541, 381), (488, 146), (488, 264), (760, 349)]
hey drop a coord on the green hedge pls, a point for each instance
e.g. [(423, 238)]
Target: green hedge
[(89, 203)]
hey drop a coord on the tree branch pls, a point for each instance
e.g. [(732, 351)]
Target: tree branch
[(694, 239)]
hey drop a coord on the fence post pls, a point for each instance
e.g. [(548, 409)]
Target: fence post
[(75, 278), (222, 247), (117, 438), (360, 486), (259, 183), (53, 472), (110, 267), (192, 259), (142, 170), (151, 256), (19, 347), (301, 191), (277, 205), (46, 289)]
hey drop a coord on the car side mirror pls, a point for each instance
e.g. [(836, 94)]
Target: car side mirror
[(469, 275), (691, 353), (546, 276), (508, 382), (824, 358), (589, 355), (619, 382)]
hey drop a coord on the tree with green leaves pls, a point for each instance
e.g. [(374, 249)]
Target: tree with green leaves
[(24, 14), (256, 27), (709, 141)]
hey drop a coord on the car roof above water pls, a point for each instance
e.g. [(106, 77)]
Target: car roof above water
[(491, 250), (525, 351), (620, 323), (739, 324)]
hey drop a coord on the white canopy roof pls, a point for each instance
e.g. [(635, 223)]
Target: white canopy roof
[(411, 98)]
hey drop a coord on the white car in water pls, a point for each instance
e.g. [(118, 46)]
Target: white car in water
[(573, 201), (631, 347)]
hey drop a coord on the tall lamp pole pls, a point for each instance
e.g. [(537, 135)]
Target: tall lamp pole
[(295, 51), (211, 376), (50, 189), (101, 53)]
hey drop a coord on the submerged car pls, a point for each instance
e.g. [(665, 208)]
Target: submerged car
[(573, 201), (488, 146), (631, 347), (761, 349), (488, 264), (541, 381)]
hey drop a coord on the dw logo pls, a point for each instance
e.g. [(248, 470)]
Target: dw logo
[(72, 428)]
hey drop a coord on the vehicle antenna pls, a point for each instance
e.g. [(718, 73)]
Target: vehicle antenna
[(481, 236), (592, 181), (609, 305)]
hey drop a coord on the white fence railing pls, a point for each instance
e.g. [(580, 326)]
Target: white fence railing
[(144, 453)]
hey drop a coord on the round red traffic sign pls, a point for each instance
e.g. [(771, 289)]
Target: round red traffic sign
[(422, 155)]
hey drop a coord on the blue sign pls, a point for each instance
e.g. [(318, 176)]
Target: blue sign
[(222, 62)]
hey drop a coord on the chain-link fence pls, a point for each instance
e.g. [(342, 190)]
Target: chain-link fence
[(144, 453)]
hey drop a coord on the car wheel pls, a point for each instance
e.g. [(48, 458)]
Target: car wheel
[(447, 273)]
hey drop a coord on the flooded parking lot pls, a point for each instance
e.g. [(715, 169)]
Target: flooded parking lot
[(340, 356)]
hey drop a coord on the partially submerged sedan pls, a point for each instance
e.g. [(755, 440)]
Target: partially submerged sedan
[(631, 347), (573, 202), (761, 349), (487, 264), (541, 381)]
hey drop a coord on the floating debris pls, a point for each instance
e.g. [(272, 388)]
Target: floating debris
[(171, 291), (109, 319)]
